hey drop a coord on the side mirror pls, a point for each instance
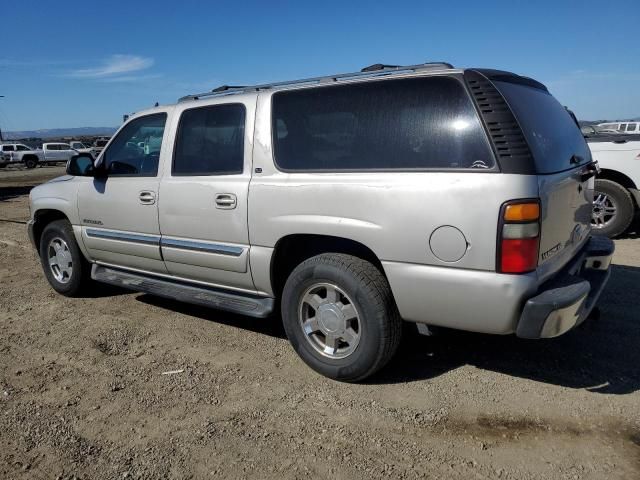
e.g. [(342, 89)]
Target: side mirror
[(81, 165)]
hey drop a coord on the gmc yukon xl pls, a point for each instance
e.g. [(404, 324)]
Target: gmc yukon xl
[(349, 203)]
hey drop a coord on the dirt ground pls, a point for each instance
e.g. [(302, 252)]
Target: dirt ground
[(83, 394)]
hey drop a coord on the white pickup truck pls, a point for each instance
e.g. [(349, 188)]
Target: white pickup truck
[(53, 152), (616, 198)]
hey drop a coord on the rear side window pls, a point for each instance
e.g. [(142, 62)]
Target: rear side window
[(7, 148), (552, 135), (416, 123), (210, 141)]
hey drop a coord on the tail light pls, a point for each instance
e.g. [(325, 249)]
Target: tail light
[(518, 236)]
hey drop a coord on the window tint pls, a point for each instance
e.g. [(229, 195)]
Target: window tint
[(22, 148), (7, 148), (65, 146), (621, 127), (136, 149), (391, 124), (552, 135), (51, 147), (631, 127), (210, 141)]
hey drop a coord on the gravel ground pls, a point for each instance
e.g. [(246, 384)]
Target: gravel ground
[(83, 394)]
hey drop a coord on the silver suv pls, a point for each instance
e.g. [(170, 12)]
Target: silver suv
[(441, 196)]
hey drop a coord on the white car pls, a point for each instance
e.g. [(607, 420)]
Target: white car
[(82, 148), (616, 196), (57, 152), (620, 127)]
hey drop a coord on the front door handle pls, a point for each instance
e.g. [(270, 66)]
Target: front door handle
[(226, 201), (147, 197)]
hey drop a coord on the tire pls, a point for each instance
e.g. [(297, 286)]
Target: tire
[(360, 289), (30, 162), (613, 209), (72, 281)]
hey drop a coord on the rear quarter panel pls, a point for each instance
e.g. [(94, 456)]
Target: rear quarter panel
[(392, 213)]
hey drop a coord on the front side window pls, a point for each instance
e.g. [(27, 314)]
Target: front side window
[(631, 127), (22, 148), (415, 123), (210, 141), (622, 127), (136, 149)]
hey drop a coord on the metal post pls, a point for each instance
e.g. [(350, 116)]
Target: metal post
[(1, 139)]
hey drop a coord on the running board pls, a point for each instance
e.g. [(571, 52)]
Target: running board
[(244, 304)]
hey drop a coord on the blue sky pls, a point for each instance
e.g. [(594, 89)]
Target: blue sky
[(72, 64)]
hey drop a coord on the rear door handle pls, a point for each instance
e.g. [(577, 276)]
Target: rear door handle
[(147, 197), (226, 201)]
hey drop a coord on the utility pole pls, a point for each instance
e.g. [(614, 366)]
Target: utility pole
[(1, 139)]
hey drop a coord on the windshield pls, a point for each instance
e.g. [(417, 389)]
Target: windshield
[(552, 135)]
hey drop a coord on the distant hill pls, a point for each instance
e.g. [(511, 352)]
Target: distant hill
[(60, 132)]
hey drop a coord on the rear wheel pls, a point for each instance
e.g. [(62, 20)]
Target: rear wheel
[(613, 209), (64, 265), (31, 162), (340, 317)]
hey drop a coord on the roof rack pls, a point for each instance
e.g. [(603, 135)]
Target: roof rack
[(376, 70)]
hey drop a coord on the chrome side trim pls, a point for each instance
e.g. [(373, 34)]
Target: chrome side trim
[(202, 246), (123, 237)]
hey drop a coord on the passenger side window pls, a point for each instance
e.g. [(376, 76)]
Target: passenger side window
[(136, 149), (210, 141), (7, 148), (417, 123)]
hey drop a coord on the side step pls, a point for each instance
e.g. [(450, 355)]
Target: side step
[(244, 304)]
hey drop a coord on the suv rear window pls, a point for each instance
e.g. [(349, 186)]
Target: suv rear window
[(416, 123), (552, 135)]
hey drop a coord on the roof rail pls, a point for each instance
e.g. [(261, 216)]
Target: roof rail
[(226, 88), (376, 70)]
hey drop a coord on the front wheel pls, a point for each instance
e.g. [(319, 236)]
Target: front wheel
[(613, 209), (64, 265), (30, 162), (340, 316)]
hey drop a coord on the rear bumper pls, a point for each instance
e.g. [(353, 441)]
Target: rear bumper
[(567, 300)]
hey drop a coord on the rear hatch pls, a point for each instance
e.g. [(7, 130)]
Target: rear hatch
[(562, 163)]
